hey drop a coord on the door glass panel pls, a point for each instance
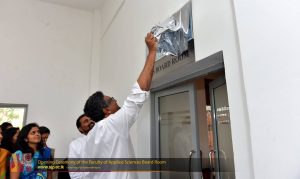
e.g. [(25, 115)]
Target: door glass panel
[(175, 130), (223, 130)]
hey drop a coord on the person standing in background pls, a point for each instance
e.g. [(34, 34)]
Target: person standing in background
[(23, 163), (4, 156), (45, 133), (10, 137), (5, 125), (76, 148)]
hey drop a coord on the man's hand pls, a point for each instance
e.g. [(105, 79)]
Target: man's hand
[(151, 42)]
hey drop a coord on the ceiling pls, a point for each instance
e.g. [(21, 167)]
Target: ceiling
[(80, 4)]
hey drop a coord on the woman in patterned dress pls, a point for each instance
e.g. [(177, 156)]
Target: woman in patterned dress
[(23, 163)]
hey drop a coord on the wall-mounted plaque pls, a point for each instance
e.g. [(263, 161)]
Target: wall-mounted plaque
[(175, 46)]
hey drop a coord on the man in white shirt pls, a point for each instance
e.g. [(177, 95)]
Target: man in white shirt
[(110, 137), (76, 148)]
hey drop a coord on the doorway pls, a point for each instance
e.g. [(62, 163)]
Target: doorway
[(214, 127), (192, 120)]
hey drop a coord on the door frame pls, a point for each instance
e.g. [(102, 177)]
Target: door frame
[(210, 64), (213, 85)]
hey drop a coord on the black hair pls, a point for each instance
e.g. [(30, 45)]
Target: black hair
[(7, 141), (4, 125), (23, 145), (78, 124), (44, 130), (93, 107)]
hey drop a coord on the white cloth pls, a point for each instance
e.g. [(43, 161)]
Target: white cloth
[(110, 137), (76, 150)]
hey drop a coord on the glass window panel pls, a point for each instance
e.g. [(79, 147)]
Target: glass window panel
[(175, 130), (14, 114)]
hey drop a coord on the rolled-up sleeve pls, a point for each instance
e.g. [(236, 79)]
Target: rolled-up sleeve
[(134, 103), (123, 119)]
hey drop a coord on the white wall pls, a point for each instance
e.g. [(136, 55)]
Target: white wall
[(123, 55), (215, 30), (96, 52), (50, 60), (45, 62), (270, 40)]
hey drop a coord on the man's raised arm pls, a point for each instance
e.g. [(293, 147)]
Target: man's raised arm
[(145, 77)]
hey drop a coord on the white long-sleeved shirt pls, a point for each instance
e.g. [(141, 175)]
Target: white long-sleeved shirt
[(76, 150), (110, 137)]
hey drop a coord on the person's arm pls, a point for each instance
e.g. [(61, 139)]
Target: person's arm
[(123, 119), (145, 77), (14, 167), (14, 175)]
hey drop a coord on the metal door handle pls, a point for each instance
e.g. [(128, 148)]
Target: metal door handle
[(190, 162), (210, 159), (224, 154), (210, 156), (191, 153)]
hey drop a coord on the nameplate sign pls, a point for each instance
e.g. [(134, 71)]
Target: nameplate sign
[(170, 63)]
